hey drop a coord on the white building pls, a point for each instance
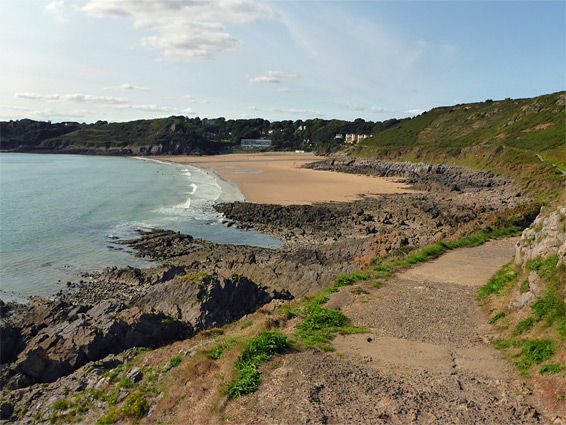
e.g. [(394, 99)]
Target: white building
[(255, 143), (355, 138)]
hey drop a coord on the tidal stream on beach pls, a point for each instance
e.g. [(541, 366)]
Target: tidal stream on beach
[(61, 215)]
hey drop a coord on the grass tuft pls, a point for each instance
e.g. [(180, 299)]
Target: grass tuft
[(535, 351), (256, 351), (497, 317), (498, 282), (551, 369)]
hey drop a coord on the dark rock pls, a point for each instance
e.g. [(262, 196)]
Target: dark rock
[(6, 410), (10, 339), (60, 348), (206, 301)]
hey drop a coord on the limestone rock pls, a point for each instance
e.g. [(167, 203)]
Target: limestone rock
[(545, 237)]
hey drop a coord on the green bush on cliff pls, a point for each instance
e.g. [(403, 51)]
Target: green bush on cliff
[(135, 406), (320, 325), (256, 351)]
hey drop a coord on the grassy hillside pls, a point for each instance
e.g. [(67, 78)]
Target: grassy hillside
[(524, 139)]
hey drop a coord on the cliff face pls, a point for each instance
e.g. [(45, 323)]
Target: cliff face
[(527, 306)]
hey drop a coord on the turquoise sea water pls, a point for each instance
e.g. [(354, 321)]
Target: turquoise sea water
[(60, 214)]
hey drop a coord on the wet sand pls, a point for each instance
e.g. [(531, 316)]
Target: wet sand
[(276, 178)]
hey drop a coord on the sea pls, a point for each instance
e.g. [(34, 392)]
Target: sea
[(62, 215)]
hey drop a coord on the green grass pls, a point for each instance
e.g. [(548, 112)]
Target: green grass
[(535, 351), (135, 406), (215, 352), (377, 284), (550, 306), (320, 325), (524, 326), (348, 280), (256, 351), (246, 324), (497, 317), (546, 304), (62, 404), (498, 282), (551, 369), (174, 362)]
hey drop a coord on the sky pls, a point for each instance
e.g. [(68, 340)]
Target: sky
[(122, 60)]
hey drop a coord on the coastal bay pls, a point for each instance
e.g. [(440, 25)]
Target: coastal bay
[(198, 286)]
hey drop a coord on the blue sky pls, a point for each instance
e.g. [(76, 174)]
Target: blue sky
[(120, 60)]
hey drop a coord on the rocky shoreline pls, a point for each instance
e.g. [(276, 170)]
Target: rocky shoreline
[(199, 285)]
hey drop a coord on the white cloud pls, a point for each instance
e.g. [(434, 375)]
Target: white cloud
[(183, 30), (127, 87), (192, 99), (51, 114), (188, 111), (292, 111), (371, 109), (76, 97), (288, 90), (147, 108), (273, 77), (377, 109), (15, 108), (56, 9), (40, 114), (155, 108)]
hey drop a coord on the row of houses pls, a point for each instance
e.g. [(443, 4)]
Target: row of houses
[(352, 138)]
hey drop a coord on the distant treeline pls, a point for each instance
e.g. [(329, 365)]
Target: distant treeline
[(180, 135)]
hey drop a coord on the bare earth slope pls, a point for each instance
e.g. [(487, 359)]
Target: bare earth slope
[(426, 360)]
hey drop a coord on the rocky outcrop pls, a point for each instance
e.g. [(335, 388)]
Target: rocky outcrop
[(48, 340), (422, 176), (206, 301), (545, 237), (82, 335)]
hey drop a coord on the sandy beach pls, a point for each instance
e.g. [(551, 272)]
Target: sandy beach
[(276, 178)]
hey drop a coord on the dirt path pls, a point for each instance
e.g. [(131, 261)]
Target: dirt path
[(426, 360)]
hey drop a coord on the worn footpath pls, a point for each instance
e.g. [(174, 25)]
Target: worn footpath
[(427, 358)]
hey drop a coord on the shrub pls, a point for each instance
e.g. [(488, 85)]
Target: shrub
[(62, 404), (135, 405)]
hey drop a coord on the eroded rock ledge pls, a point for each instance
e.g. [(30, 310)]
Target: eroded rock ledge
[(46, 340)]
